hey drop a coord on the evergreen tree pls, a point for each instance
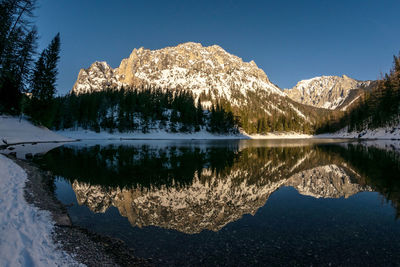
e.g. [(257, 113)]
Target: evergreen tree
[(17, 46), (199, 114), (43, 84)]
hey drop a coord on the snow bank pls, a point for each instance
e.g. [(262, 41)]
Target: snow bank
[(90, 135), (13, 130), (162, 135), (379, 133), (25, 238)]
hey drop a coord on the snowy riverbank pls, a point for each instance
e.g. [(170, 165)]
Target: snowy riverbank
[(26, 231)]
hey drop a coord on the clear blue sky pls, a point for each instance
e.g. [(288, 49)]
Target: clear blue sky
[(289, 40)]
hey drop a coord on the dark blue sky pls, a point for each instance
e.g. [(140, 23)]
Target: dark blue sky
[(289, 40)]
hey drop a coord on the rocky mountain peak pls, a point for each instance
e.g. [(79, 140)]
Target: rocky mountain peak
[(98, 75), (329, 92), (190, 66)]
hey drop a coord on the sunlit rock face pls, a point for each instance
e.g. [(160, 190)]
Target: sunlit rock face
[(212, 201), (98, 75), (188, 66), (208, 72), (330, 92)]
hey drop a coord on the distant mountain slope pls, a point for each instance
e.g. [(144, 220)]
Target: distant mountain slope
[(330, 92), (211, 74), (376, 113)]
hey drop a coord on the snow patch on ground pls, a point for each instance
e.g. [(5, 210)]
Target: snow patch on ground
[(298, 112), (392, 132), (15, 130), (349, 104), (26, 231), (90, 135)]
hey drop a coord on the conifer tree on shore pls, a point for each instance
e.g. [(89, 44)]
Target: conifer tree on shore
[(43, 83), (18, 37)]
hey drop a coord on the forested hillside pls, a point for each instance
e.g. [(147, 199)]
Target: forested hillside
[(139, 110), (144, 110)]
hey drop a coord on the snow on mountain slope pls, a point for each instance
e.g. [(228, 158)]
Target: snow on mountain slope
[(187, 66), (208, 72), (98, 75), (329, 92)]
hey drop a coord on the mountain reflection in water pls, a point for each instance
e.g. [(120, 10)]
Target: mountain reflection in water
[(198, 188), (193, 188)]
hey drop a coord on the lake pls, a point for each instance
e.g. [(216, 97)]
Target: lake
[(239, 202)]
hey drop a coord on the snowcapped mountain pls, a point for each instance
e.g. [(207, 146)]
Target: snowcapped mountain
[(214, 75), (187, 66), (208, 72), (97, 77), (330, 92)]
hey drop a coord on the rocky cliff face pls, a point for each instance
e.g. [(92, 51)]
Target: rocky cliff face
[(330, 92), (187, 66), (98, 75), (218, 201)]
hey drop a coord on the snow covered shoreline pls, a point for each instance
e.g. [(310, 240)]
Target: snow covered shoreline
[(26, 231), (384, 133), (82, 134), (20, 131), (376, 134), (14, 130)]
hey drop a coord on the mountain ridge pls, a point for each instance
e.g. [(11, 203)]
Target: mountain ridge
[(169, 67), (210, 74), (216, 77), (330, 92)]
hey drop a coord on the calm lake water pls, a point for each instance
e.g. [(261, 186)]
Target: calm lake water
[(237, 203)]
